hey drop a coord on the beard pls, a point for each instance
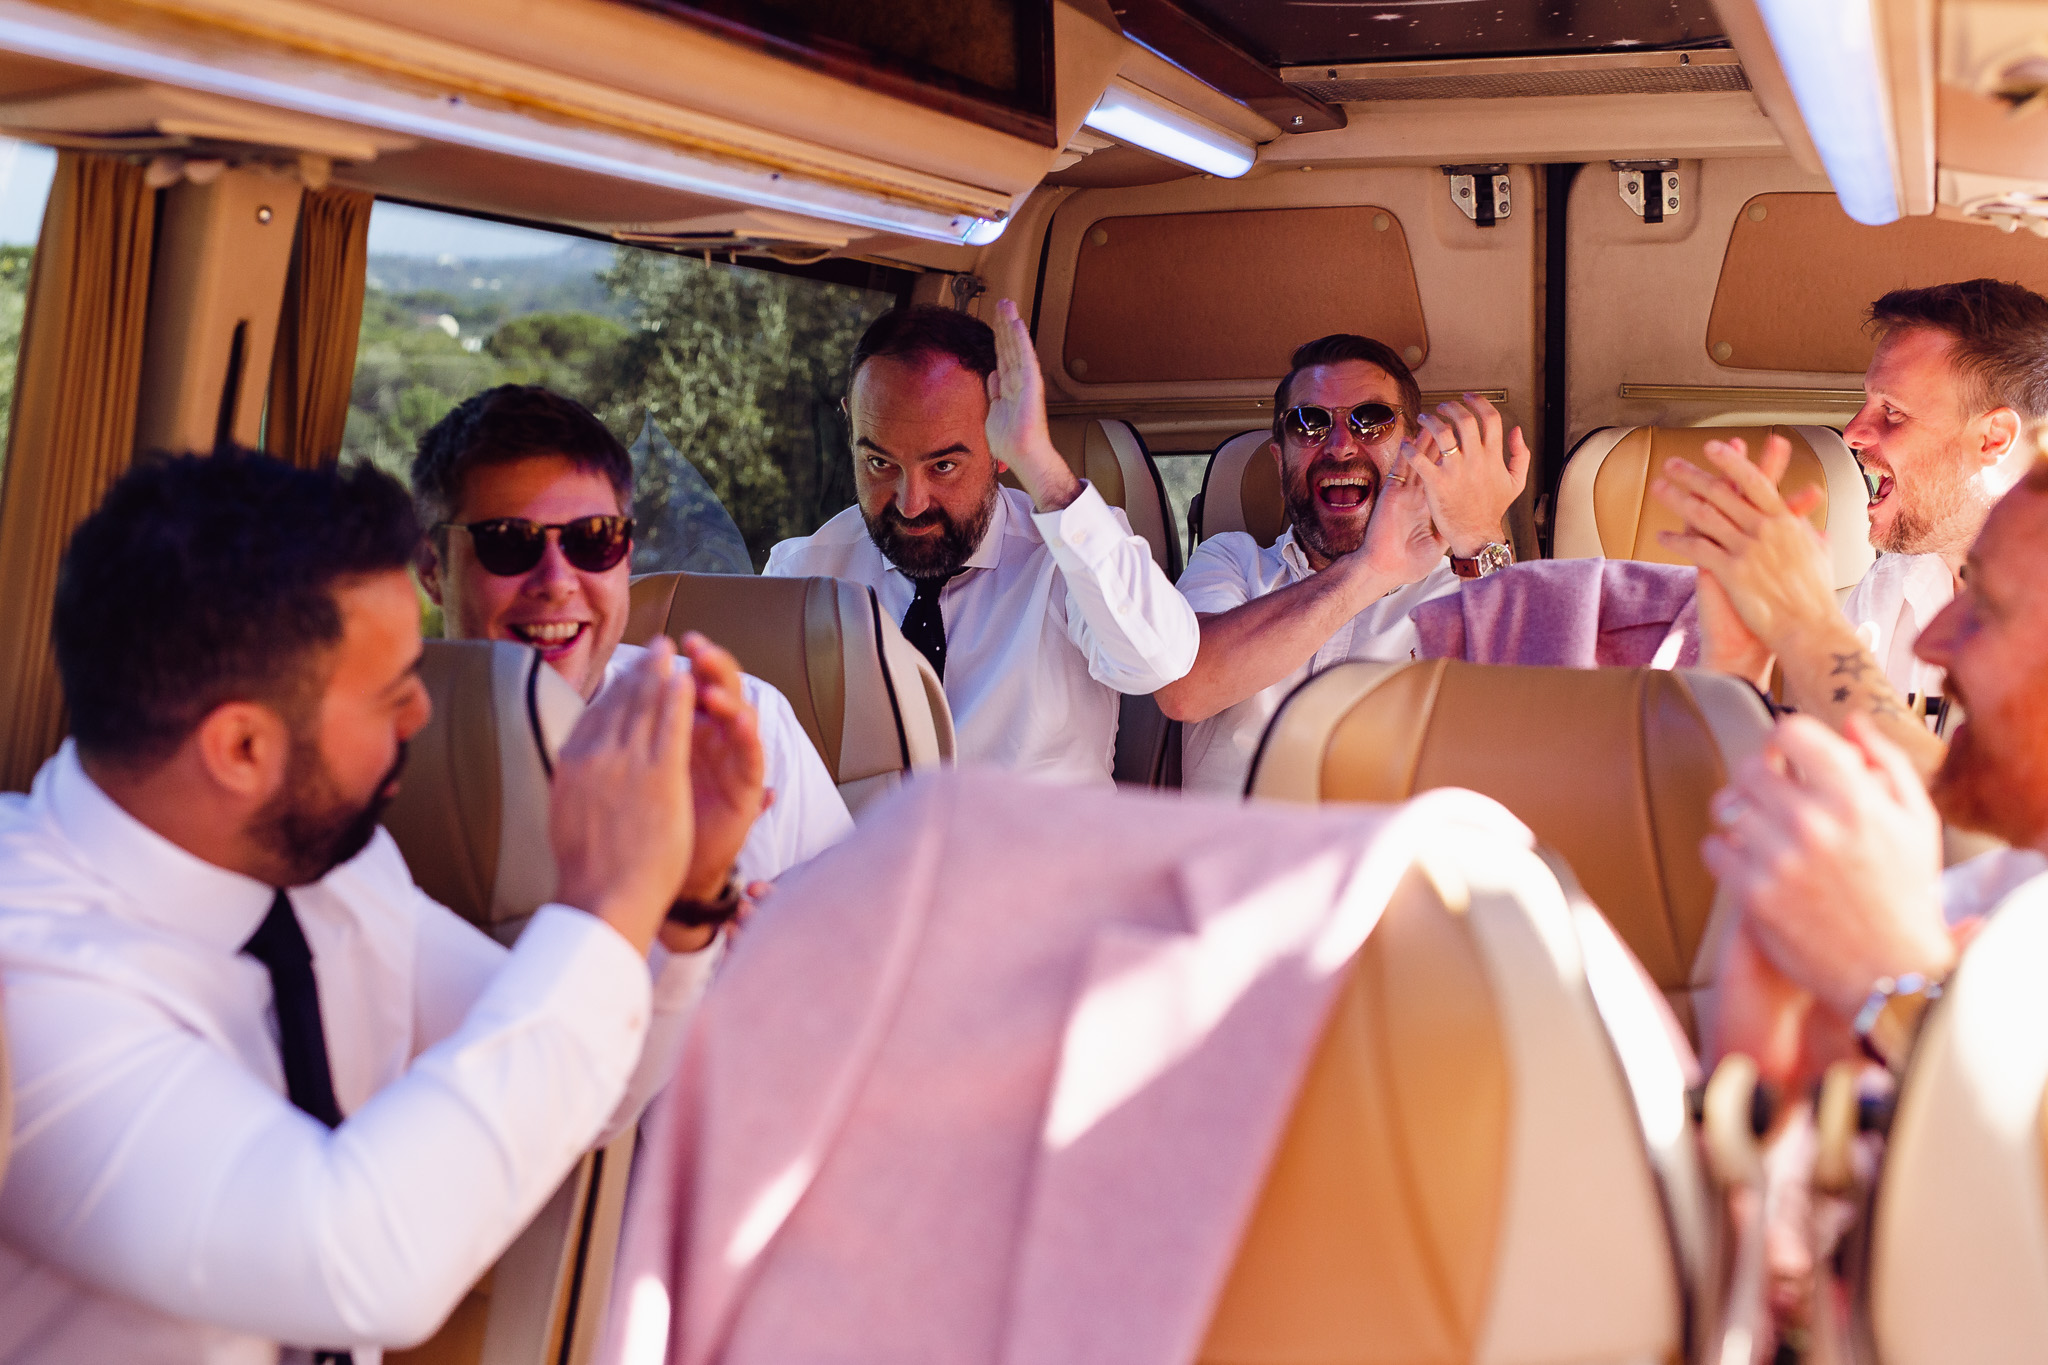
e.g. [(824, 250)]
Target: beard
[(1943, 515), (309, 826), (929, 556), (1305, 514), (1997, 782)]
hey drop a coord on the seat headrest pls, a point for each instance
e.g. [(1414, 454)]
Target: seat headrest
[(1241, 489), (1605, 508), (1611, 767), (471, 815), (864, 696), (1959, 1237), (1464, 1172), (1112, 456)]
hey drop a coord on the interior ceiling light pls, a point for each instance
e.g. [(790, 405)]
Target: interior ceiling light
[(1142, 119), (1830, 61)]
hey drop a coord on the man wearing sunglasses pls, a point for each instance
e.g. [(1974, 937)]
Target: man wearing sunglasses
[(1387, 507), (1035, 607), (526, 496)]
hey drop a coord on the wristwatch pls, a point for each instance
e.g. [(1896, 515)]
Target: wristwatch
[(1490, 559), (705, 914), (1891, 1015)]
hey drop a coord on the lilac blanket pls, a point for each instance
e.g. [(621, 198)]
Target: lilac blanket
[(1570, 613)]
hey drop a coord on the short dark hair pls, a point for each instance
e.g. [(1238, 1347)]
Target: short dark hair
[(1999, 331), (1340, 346), (202, 580), (927, 329), (509, 423)]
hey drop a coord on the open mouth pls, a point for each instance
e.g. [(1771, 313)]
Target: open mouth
[(551, 638), (1345, 492), (1877, 483)]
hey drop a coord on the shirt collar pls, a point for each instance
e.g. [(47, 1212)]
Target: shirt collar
[(166, 886), (1290, 552)]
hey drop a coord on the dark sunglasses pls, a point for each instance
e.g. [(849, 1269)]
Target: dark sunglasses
[(1311, 423), (507, 546)]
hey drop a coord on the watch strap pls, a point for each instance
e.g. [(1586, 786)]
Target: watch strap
[(695, 914)]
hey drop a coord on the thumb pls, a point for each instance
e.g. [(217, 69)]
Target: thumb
[(1518, 460)]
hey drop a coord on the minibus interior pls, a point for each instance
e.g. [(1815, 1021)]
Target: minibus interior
[(312, 226)]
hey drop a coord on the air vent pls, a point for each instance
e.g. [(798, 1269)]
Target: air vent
[(1523, 78)]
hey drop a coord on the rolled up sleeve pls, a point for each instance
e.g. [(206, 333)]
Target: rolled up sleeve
[(1137, 631)]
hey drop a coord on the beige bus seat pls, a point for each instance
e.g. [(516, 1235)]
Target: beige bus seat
[(1605, 509), (1468, 1174), (1241, 490), (1112, 456), (1611, 767), (471, 818), (868, 700), (1959, 1235)]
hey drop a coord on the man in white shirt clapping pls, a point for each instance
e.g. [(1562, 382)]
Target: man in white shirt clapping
[(1388, 506), (527, 499), (267, 1093), (1036, 608)]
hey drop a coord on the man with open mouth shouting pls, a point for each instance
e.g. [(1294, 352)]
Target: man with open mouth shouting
[(1387, 507), (528, 500), (1959, 373)]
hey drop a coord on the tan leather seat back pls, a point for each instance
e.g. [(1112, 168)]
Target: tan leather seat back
[(867, 699), (1464, 1176), (1959, 1237), (1112, 456), (1611, 767), (471, 811), (1605, 509), (471, 819), (1241, 490)]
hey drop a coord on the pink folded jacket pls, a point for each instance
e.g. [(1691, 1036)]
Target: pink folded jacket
[(1569, 613)]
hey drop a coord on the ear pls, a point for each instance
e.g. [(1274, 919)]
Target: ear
[(2000, 432), (244, 748), (1279, 460), (427, 564)]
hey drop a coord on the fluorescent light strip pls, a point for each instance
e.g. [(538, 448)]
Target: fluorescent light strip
[(1830, 59), (452, 120), (1142, 119)]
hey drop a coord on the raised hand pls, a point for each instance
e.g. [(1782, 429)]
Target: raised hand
[(726, 767), (620, 813), (1401, 543), (1471, 474), (1017, 433)]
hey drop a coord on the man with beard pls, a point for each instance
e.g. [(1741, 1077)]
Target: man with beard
[(1036, 608), (1832, 848), (527, 499), (267, 1093), (1959, 372), (1387, 505)]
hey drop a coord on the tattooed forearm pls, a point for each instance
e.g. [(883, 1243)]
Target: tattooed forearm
[(1853, 665)]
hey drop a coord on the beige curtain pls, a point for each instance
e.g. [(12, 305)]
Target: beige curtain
[(316, 332), (73, 428)]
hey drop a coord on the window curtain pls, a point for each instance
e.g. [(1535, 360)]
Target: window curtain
[(73, 429), (315, 360)]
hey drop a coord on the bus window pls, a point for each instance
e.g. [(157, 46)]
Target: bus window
[(25, 171), (724, 380)]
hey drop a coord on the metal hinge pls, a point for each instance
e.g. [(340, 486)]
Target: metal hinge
[(1480, 192), (1649, 187)]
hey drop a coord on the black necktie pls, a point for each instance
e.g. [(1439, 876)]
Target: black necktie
[(280, 945), (924, 627)]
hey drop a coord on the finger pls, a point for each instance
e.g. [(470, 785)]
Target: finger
[(1701, 516), (720, 689), (1469, 435), (1698, 551), (1518, 460), (1804, 502), (1420, 467), (661, 681), (1758, 489), (1443, 441), (1824, 764), (1488, 417), (1723, 494), (670, 724), (1776, 459)]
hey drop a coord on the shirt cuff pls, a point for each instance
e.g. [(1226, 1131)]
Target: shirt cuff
[(679, 978), (1084, 530)]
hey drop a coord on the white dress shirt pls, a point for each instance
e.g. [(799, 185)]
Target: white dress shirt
[(1897, 598), (808, 815), (167, 1203), (1056, 614), (1228, 570)]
